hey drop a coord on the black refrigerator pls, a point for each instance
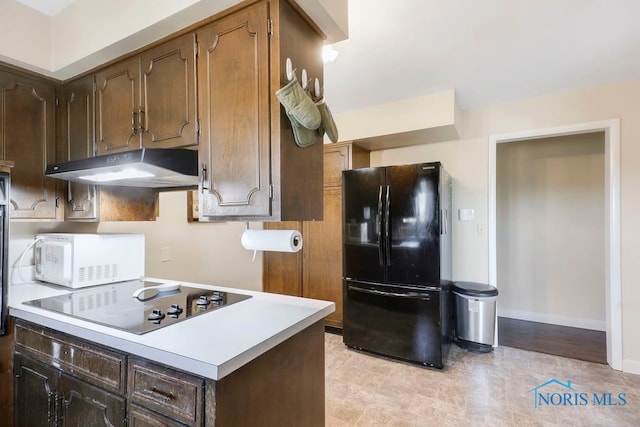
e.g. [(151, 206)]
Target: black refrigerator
[(397, 261)]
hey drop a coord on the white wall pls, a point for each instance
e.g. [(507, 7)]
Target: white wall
[(550, 230), (467, 161), (208, 253), (88, 33), (22, 44)]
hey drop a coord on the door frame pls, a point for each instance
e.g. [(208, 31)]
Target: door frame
[(613, 285)]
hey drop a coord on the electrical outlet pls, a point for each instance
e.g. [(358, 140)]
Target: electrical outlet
[(165, 254)]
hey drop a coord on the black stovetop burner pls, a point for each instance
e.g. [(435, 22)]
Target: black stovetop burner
[(113, 305)]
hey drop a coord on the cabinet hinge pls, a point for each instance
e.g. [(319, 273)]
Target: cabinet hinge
[(271, 191), (198, 127), (57, 101), (270, 27), (196, 48)]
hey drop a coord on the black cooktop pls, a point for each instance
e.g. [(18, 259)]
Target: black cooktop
[(113, 305)]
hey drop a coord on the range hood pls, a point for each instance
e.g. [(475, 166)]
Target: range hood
[(166, 168)]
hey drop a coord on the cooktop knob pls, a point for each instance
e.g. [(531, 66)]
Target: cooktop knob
[(174, 311), (203, 300), (217, 296), (156, 315)]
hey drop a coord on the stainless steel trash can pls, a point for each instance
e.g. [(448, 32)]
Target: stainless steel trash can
[(475, 314)]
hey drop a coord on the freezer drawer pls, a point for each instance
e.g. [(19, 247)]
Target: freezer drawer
[(396, 321)]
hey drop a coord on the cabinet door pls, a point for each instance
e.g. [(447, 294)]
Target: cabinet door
[(27, 137), (233, 82), (83, 404), (168, 79), (282, 271), (323, 256), (336, 159), (81, 201), (118, 107), (35, 387)]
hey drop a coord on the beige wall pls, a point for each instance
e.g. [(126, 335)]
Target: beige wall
[(83, 35), (467, 161), (208, 253), (550, 230)]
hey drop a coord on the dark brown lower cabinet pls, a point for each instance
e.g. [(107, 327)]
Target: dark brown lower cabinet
[(44, 396), (35, 392), (82, 404), (60, 380)]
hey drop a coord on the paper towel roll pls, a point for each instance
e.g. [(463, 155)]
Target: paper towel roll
[(272, 240)]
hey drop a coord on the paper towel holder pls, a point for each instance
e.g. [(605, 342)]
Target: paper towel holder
[(296, 240)]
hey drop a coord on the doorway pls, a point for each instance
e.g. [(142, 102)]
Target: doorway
[(550, 245), (613, 321)]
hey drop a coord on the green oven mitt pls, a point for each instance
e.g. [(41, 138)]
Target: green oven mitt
[(304, 137), (299, 105), (327, 124)]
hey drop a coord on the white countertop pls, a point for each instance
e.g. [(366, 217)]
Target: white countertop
[(211, 345)]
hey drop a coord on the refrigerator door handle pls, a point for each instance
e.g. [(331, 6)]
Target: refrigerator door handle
[(444, 221), (414, 295), (387, 238), (379, 227)]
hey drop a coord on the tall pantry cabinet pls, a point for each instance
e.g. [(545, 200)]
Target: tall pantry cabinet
[(316, 271)]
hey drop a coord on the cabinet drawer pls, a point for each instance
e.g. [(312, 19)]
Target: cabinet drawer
[(172, 393), (89, 362)]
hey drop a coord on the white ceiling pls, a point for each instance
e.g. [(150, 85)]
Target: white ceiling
[(489, 51), (48, 7)]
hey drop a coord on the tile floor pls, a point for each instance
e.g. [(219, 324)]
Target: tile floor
[(473, 390)]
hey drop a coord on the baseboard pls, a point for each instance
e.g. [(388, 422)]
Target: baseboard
[(553, 319), (631, 366)]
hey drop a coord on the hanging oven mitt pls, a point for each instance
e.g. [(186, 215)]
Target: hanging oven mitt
[(327, 124), (304, 137), (302, 112), (299, 105)]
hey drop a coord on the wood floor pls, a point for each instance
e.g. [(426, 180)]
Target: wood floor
[(575, 343)]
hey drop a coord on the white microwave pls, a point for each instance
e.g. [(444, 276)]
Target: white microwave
[(79, 260)]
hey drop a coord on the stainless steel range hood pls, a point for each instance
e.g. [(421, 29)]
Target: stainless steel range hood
[(163, 168)]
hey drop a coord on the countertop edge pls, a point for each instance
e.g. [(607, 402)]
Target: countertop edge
[(194, 365)]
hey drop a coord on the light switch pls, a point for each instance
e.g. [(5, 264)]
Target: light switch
[(466, 214)]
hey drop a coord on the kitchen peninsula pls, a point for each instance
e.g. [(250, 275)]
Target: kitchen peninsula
[(259, 361)]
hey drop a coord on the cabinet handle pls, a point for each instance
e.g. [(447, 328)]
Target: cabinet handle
[(141, 118), (203, 177), (134, 115), (159, 393)]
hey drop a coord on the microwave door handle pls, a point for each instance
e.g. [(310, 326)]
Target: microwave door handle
[(387, 236), (379, 227), (410, 295)]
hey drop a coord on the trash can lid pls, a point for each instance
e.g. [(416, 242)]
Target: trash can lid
[(474, 289)]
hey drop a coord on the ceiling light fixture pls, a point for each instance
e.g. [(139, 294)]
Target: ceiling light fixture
[(329, 54)]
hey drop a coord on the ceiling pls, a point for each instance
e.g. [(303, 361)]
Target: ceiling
[(488, 51), (48, 7)]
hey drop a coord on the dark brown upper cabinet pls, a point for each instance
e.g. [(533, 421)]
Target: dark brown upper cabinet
[(251, 168), (149, 100), (27, 138), (81, 200)]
